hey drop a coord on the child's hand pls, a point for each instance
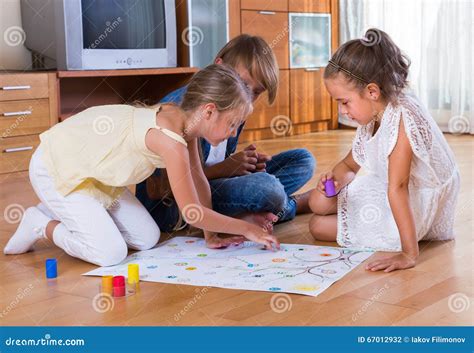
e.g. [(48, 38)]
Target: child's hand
[(245, 162), (397, 262), (213, 241), (259, 235), (322, 179)]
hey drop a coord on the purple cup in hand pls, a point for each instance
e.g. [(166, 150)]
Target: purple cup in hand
[(330, 188)]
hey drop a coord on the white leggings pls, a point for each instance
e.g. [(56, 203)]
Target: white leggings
[(89, 231)]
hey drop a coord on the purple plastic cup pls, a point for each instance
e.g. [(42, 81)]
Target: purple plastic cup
[(330, 188)]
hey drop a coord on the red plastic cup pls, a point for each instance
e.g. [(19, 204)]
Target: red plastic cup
[(118, 283)]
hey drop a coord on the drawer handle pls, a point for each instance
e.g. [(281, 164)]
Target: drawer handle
[(267, 12), (25, 112), (18, 149), (11, 88), (311, 69)]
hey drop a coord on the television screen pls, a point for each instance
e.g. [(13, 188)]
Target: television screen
[(128, 24)]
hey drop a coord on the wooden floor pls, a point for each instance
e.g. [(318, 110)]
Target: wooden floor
[(438, 291)]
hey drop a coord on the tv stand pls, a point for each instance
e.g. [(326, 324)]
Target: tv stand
[(79, 90)]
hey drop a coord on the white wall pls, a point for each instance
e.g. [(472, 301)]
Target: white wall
[(13, 54)]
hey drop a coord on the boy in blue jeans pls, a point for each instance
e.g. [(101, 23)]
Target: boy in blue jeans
[(248, 184)]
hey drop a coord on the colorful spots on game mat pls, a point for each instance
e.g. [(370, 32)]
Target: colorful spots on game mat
[(171, 277), (325, 254), (289, 275), (258, 276), (190, 241), (172, 245), (306, 288), (181, 264), (151, 267), (301, 249), (202, 255), (191, 268), (278, 260), (274, 289), (250, 265)]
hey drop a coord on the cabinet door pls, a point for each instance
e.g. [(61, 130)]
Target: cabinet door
[(273, 28), (16, 152), (266, 5), (263, 113), (310, 40), (309, 6), (309, 99), (205, 35)]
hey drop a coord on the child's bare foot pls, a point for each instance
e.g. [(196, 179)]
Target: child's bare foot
[(214, 241), (302, 202), (262, 219)]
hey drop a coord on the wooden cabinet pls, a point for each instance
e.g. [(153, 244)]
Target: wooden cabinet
[(265, 5), (309, 99), (273, 28), (292, 25), (28, 106), (314, 6), (263, 113), (16, 86), (16, 152)]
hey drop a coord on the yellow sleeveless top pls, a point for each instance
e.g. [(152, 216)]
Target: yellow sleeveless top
[(101, 150)]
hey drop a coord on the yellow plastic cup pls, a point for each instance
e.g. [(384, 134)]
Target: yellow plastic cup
[(133, 273), (107, 284)]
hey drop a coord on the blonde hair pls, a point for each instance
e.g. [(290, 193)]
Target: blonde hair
[(221, 85), (257, 57)]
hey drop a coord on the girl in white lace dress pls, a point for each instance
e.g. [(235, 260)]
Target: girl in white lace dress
[(410, 183)]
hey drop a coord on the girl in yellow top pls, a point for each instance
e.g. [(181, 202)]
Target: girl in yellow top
[(82, 167)]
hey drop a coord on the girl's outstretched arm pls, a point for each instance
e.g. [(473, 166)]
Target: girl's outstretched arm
[(177, 160), (399, 163), (204, 193)]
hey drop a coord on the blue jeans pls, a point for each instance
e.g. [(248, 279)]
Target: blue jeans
[(271, 191)]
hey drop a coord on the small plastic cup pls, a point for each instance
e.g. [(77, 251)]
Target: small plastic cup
[(330, 188), (51, 268), (118, 286)]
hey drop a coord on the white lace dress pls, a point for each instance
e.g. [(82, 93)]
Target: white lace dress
[(365, 219)]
